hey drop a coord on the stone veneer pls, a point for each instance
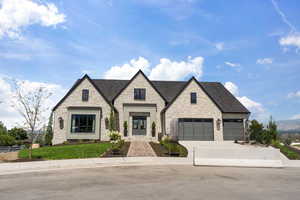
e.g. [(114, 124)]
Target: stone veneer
[(75, 100), (127, 97), (182, 108)]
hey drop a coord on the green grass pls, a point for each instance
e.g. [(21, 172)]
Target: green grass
[(67, 151), (286, 151), (175, 147)]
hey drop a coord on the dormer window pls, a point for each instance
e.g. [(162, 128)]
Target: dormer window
[(193, 98), (139, 94), (85, 95)]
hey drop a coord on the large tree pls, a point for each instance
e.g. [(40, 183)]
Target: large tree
[(18, 133), (31, 104), (3, 129)]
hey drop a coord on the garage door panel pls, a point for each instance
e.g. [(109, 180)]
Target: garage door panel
[(196, 129), (233, 129)]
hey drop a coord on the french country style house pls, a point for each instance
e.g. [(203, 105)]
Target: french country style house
[(147, 110)]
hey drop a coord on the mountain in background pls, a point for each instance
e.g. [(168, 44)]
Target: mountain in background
[(288, 126)]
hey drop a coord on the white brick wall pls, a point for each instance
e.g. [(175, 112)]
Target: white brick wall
[(205, 108), (152, 97), (75, 99)]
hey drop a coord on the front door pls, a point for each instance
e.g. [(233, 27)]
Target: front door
[(139, 125)]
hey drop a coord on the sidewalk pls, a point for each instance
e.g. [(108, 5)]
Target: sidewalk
[(36, 166)]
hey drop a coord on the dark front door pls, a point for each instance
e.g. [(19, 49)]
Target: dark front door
[(139, 125)]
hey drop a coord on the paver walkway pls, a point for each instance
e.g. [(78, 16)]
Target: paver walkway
[(139, 148)]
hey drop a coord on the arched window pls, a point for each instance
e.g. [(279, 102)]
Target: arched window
[(61, 123)]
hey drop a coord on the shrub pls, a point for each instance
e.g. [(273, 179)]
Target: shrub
[(7, 140), (287, 141), (114, 135)]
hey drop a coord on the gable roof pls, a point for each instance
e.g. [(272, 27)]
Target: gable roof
[(128, 83), (168, 90), (75, 86)]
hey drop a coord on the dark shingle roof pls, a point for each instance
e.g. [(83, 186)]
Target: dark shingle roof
[(170, 89), (223, 98)]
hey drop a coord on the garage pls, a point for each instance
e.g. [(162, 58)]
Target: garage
[(233, 129), (195, 129)]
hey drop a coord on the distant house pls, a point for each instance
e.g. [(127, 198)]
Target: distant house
[(189, 110)]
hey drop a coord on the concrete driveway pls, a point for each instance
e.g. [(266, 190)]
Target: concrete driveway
[(154, 182), (227, 153)]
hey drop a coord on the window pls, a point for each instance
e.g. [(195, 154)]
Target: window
[(83, 124), (85, 95), (139, 94), (193, 97), (61, 123)]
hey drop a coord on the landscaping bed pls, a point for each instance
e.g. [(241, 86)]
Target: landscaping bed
[(169, 149), (122, 153), (288, 151), (66, 151)]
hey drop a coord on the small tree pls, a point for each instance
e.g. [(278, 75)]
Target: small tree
[(112, 121), (153, 129), (256, 131), (18, 133), (49, 131), (30, 103), (272, 129)]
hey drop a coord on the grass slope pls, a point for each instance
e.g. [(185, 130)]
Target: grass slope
[(67, 151)]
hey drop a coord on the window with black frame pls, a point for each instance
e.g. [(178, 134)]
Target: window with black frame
[(193, 98), (139, 94), (83, 123), (85, 95)]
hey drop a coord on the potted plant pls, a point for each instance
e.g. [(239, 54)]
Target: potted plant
[(115, 140), (125, 125), (153, 129)]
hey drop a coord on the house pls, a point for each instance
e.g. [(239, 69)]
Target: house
[(188, 110)]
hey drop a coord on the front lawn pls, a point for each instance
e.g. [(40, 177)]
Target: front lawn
[(67, 151)]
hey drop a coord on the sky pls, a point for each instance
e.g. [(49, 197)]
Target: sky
[(252, 47)]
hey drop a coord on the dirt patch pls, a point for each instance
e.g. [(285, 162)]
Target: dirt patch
[(9, 156)]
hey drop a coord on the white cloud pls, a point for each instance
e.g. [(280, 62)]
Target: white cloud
[(8, 115), (165, 70), (290, 40), (294, 94), (128, 70), (232, 88), (219, 46), (257, 110), (17, 14), (263, 61), (230, 64), (172, 70), (295, 116)]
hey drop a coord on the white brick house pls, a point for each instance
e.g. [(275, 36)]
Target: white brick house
[(188, 110)]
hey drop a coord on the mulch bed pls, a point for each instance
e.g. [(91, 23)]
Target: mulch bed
[(159, 149), (123, 151), (26, 160)]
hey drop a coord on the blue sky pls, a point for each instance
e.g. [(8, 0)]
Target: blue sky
[(250, 46)]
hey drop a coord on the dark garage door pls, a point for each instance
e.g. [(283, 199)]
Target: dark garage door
[(233, 129), (196, 129)]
